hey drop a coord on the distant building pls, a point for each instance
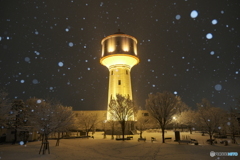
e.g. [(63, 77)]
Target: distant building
[(102, 122)]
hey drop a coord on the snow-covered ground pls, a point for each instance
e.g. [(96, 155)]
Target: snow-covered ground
[(107, 149)]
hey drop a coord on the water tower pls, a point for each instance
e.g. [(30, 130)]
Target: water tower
[(119, 55)]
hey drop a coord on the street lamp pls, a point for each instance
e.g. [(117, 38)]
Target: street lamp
[(104, 134), (175, 119)]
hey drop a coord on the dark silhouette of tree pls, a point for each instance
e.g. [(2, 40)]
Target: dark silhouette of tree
[(5, 108), (162, 107), (19, 119), (232, 122), (48, 117), (87, 121), (112, 125), (65, 120), (143, 123), (122, 109), (43, 119), (209, 117)]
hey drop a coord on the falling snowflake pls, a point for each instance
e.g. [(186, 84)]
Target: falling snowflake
[(21, 143), (218, 87), (214, 21), (194, 14), (27, 59), (60, 64), (70, 44), (178, 17), (35, 81), (209, 36)]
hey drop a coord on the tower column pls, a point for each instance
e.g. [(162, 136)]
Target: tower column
[(119, 81)]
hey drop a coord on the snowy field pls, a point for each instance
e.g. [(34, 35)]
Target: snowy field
[(107, 149)]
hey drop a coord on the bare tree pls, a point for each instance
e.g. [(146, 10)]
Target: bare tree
[(162, 106), (88, 121), (122, 109), (187, 118), (18, 119), (180, 107), (209, 117), (43, 119), (232, 122), (143, 123), (65, 120), (112, 125), (5, 109)]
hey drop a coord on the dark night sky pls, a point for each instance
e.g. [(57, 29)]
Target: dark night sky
[(37, 37)]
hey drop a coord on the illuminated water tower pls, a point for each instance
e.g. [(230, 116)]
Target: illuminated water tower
[(119, 55)]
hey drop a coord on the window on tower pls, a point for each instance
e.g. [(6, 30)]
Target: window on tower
[(119, 82), (145, 114), (112, 73), (126, 72)]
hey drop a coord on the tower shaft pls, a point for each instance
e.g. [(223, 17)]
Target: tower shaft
[(119, 82)]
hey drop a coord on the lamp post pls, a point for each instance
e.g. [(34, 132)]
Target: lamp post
[(104, 129), (177, 133)]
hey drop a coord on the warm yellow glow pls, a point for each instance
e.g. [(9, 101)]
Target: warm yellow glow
[(125, 48), (135, 49), (127, 118), (110, 48), (117, 59), (111, 45), (102, 51), (125, 45), (119, 56)]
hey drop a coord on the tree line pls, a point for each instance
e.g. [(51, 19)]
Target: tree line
[(168, 109), (46, 117)]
